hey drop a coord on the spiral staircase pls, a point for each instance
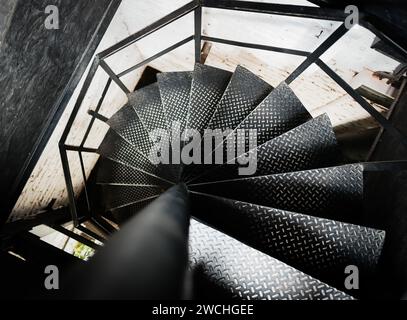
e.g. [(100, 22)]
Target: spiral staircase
[(286, 232)]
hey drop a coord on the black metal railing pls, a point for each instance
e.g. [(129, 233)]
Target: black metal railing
[(196, 7)]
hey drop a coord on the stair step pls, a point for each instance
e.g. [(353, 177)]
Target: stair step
[(242, 272), (127, 124), (115, 148), (243, 93), (308, 146), (147, 104), (319, 247), (120, 196), (175, 91), (111, 172), (208, 86), (278, 113), (334, 193)]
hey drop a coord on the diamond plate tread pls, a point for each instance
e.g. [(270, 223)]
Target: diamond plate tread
[(114, 173), (175, 90), (243, 93), (115, 148), (333, 193), (129, 126), (208, 86), (278, 113), (126, 212), (319, 247), (120, 196), (245, 273), (308, 146), (147, 104)]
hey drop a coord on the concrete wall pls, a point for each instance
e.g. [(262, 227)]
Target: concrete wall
[(36, 64)]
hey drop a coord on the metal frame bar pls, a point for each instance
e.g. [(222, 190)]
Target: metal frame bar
[(90, 233), (318, 52), (383, 121), (84, 179), (113, 76), (198, 33), (277, 9), (98, 106), (103, 225), (96, 115), (256, 46), (75, 236), (159, 54), (173, 16), (196, 7)]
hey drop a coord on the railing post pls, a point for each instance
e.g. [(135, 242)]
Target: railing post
[(69, 184), (198, 32)]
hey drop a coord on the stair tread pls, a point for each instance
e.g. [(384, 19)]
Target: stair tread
[(243, 93), (334, 193), (308, 146), (319, 247), (129, 126), (175, 91), (115, 148), (120, 196), (208, 86), (278, 113), (147, 104), (111, 172), (246, 273)]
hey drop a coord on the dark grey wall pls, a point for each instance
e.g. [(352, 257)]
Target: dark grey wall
[(6, 10), (36, 65), (388, 205)]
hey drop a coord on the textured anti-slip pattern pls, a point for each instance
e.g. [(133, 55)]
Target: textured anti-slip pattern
[(246, 273), (308, 146), (333, 193), (129, 126), (279, 112), (244, 92), (114, 147), (126, 212), (119, 196), (147, 104), (111, 172), (208, 86), (319, 247), (175, 90)]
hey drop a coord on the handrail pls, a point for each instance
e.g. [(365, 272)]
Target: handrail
[(173, 16)]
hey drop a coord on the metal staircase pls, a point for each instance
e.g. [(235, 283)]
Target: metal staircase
[(286, 232)]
